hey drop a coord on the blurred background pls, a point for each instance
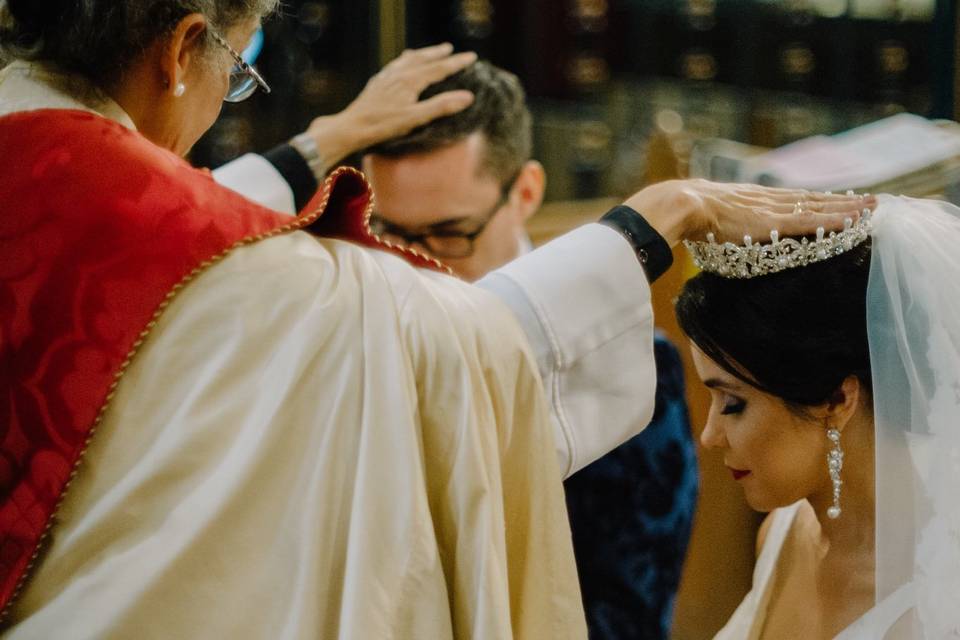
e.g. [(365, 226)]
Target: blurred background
[(604, 75), (628, 92)]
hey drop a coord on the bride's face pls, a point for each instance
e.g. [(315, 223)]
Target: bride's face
[(777, 456)]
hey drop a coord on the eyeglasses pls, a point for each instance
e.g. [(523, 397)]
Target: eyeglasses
[(441, 242), (244, 78)]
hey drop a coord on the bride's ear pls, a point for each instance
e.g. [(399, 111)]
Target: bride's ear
[(844, 403)]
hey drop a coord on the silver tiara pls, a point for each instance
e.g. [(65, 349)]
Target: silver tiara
[(751, 260)]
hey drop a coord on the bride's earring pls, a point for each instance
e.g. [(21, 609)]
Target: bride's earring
[(835, 464), (179, 90)]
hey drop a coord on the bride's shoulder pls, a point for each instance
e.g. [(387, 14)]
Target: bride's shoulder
[(790, 524)]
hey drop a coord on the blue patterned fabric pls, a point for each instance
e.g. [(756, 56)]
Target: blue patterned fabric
[(631, 513)]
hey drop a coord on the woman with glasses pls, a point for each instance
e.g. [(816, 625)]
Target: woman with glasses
[(217, 425)]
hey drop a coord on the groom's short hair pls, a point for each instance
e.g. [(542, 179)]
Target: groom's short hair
[(498, 111)]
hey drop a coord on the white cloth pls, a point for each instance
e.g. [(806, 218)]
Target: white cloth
[(583, 300), (25, 87), (316, 441), (747, 621), (394, 487), (913, 323), (256, 178), (592, 335)]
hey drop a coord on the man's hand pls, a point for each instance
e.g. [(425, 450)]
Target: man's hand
[(690, 209), (388, 106)]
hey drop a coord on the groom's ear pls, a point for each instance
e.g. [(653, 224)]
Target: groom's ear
[(844, 402)]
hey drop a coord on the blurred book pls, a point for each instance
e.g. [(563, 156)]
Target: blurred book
[(902, 154)]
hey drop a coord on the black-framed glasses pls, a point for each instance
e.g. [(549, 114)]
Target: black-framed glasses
[(440, 241), (244, 78)]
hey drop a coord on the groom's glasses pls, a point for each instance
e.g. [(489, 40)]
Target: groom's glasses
[(244, 78)]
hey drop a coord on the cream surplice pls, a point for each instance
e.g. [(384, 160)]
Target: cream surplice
[(583, 300), (316, 440), (346, 455)]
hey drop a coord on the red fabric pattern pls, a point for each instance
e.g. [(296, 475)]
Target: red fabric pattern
[(98, 226)]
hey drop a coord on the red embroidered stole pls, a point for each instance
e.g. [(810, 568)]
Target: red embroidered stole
[(99, 229)]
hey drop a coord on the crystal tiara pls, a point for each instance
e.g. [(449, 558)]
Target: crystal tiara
[(751, 260)]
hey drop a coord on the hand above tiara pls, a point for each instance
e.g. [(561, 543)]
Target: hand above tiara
[(691, 209)]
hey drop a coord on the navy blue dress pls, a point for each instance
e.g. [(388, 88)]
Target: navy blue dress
[(631, 513)]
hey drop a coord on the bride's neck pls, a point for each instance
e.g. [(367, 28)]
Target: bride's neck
[(854, 530)]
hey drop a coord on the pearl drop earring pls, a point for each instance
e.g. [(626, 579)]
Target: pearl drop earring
[(179, 89), (834, 465)]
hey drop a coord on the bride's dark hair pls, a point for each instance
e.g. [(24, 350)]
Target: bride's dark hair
[(796, 334)]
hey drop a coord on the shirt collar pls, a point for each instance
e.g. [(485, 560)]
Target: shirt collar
[(28, 86)]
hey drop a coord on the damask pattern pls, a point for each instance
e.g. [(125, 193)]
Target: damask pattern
[(631, 513), (100, 229)]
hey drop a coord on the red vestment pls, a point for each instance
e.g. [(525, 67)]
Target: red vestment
[(99, 230)]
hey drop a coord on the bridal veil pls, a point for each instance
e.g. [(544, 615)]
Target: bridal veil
[(913, 317)]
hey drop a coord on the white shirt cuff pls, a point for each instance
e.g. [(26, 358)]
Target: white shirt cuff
[(253, 176), (584, 302)]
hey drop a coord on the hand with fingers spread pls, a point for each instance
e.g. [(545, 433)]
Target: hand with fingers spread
[(690, 209), (389, 105)]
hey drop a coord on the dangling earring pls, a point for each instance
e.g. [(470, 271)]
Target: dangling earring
[(179, 89), (835, 464)]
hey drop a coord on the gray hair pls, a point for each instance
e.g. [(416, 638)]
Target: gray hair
[(99, 39)]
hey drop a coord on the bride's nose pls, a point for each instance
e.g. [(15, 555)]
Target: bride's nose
[(713, 436)]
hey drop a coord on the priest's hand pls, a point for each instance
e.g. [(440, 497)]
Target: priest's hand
[(690, 209), (389, 105)]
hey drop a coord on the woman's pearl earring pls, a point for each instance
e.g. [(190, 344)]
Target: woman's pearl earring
[(834, 465), (179, 90)]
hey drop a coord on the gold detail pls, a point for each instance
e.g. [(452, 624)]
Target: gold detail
[(698, 64), (587, 70), (893, 57), (797, 60), (392, 17)]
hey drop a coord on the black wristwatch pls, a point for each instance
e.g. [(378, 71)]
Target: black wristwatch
[(652, 250)]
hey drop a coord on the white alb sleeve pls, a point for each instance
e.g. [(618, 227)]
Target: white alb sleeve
[(253, 176), (584, 302)]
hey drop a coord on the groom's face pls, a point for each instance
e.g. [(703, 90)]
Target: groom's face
[(777, 456), (448, 192)]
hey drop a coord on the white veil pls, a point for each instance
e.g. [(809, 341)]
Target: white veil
[(913, 318)]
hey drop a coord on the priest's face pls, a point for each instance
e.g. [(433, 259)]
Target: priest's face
[(777, 456), (208, 83), (447, 204), (176, 119)]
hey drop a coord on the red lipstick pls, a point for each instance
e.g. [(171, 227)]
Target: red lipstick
[(738, 473)]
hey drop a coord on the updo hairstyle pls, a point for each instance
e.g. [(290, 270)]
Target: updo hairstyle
[(98, 39), (796, 334)]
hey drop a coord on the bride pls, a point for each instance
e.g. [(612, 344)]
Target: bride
[(834, 370)]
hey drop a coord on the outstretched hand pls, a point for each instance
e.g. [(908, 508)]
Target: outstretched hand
[(690, 209), (389, 104)]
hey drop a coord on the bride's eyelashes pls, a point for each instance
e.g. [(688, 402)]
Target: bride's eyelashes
[(733, 406)]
